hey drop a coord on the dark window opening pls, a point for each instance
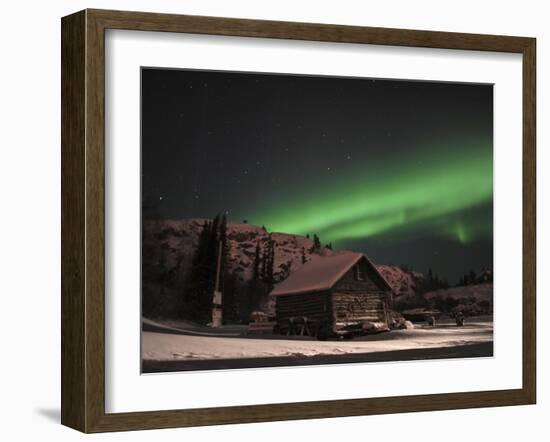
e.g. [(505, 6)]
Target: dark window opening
[(359, 273)]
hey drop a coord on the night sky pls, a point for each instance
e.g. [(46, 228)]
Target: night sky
[(400, 170)]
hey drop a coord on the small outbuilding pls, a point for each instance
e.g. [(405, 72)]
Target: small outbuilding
[(338, 294)]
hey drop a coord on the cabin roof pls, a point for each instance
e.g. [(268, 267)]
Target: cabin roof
[(322, 273)]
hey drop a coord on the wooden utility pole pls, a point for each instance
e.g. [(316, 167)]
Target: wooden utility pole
[(217, 307)]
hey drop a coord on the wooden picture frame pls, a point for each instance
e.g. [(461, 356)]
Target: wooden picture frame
[(83, 220)]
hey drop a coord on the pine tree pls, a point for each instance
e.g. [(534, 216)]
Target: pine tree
[(270, 278), (268, 261), (223, 228), (285, 270), (257, 263), (211, 265), (228, 281), (222, 240), (316, 242), (253, 291), (230, 297), (264, 261), (473, 277), (202, 277), (197, 284)]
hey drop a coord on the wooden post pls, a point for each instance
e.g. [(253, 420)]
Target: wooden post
[(217, 309), (218, 266)]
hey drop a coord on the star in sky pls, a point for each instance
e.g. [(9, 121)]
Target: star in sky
[(417, 160)]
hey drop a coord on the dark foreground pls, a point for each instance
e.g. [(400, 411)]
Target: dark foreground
[(477, 350)]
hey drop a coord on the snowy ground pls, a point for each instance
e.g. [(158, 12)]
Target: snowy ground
[(165, 346)]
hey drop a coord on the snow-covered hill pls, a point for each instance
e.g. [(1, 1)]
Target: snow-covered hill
[(173, 243), (403, 282), (168, 248), (470, 299)]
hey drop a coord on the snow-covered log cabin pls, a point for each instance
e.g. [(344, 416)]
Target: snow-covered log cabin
[(340, 294)]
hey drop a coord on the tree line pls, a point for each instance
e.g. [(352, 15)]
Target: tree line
[(185, 290), (187, 293)]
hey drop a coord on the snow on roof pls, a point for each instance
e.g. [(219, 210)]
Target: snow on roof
[(321, 273)]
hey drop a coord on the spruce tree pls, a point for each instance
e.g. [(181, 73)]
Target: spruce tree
[(264, 262), (316, 242), (222, 240), (473, 277), (255, 288), (202, 277), (268, 260), (228, 282), (257, 263), (270, 268), (197, 283), (210, 268)]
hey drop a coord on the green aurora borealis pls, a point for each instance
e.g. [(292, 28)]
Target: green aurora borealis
[(428, 194), (399, 170)]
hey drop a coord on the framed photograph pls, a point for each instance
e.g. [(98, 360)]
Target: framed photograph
[(267, 220)]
